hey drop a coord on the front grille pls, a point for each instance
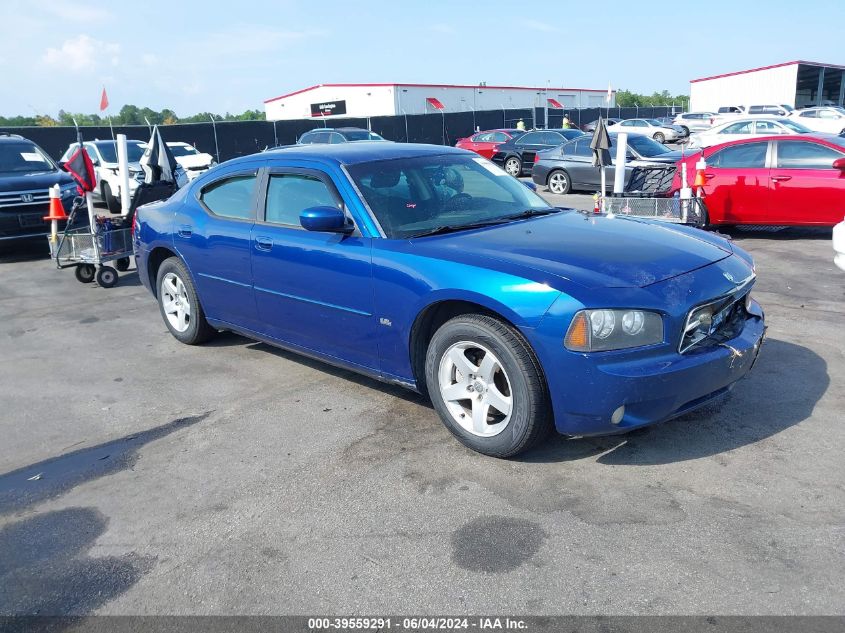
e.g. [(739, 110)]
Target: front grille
[(715, 322), (24, 198)]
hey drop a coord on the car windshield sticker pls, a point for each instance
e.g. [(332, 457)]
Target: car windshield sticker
[(493, 169), (32, 157)]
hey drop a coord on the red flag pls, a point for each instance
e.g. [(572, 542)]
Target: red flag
[(104, 100)]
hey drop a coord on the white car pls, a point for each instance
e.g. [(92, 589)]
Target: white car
[(646, 127), (192, 160), (839, 244), (825, 119), (735, 130), (694, 121)]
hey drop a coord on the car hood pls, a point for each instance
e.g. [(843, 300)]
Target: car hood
[(194, 160), (592, 251), (25, 182)]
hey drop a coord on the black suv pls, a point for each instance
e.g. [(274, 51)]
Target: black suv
[(26, 175), (338, 135)]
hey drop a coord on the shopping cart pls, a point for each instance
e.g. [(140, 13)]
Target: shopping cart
[(648, 195), (90, 252)]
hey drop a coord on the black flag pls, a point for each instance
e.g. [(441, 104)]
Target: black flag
[(158, 161)]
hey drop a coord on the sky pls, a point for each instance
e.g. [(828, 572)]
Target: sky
[(230, 56)]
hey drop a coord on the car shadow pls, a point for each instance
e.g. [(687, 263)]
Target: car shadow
[(782, 390), (229, 339), (24, 251)]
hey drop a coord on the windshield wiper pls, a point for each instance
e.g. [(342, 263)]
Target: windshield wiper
[(453, 228)]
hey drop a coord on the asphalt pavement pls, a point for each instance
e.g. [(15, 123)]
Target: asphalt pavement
[(142, 476)]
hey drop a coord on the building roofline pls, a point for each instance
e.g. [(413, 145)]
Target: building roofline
[(754, 70), (409, 85)]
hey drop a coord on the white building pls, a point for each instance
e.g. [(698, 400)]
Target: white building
[(798, 84), (369, 100)]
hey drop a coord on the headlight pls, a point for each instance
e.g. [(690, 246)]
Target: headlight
[(604, 330), (68, 189)]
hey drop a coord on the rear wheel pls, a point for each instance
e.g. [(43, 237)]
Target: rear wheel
[(559, 182), (179, 305), (685, 129), (122, 264), (487, 385), (513, 166), (659, 137)]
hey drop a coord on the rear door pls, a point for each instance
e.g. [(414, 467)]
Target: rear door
[(312, 289), (737, 189), (580, 164), (212, 234), (529, 144), (805, 188)]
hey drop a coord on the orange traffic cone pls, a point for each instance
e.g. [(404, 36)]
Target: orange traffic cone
[(57, 211)]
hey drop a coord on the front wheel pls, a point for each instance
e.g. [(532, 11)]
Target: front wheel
[(559, 182), (513, 166), (659, 137), (85, 273), (179, 305), (107, 277), (487, 385)]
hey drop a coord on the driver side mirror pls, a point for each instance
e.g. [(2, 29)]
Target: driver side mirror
[(325, 219), (839, 164)]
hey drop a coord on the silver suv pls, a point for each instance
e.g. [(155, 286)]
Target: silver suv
[(694, 121)]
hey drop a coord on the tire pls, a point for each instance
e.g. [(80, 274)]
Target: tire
[(184, 318), (107, 277), (659, 137), (685, 129), (513, 166), (85, 273), (512, 379), (558, 182), (112, 203), (122, 264)]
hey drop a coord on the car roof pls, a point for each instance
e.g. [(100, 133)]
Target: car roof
[(353, 153), (339, 129), (14, 138)]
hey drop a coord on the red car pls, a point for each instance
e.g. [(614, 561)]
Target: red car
[(779, 180), (485, 143)]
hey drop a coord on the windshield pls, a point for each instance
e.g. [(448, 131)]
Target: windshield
[(413, 196), (183, 150), (134, 151), (646, 147), (23, 158), (361, 135)]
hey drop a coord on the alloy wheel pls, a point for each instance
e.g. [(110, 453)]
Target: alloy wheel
[(175, 302)]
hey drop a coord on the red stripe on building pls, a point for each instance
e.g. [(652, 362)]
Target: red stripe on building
[(435, 103)]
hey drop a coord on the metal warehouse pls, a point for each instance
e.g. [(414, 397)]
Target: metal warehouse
[(366, 100), (799, 84)]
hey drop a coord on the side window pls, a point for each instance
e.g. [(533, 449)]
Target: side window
[(628, 123), (288, 195), (482, 138), (768, 127), (498, 137), (738, 128), (532, 138), (747, 155), (231, 197), (803, 155), (639, 123), (828, 114), (582, 147), (552, 138), (334, 137), (810, 114), (307, 138)]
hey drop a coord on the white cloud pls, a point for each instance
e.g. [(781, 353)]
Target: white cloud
[(82, 53)]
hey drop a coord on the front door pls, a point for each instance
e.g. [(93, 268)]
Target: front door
[(312, 289), (805, 188), (737, 184), (214, 241)]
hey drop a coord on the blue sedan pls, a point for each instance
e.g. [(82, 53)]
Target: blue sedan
[(431, 268)]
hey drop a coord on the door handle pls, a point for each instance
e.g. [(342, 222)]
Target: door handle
[(781, 178), (263, 243), (185, 230), (708, 176)]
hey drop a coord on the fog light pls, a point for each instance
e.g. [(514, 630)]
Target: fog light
[(617, 416)]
